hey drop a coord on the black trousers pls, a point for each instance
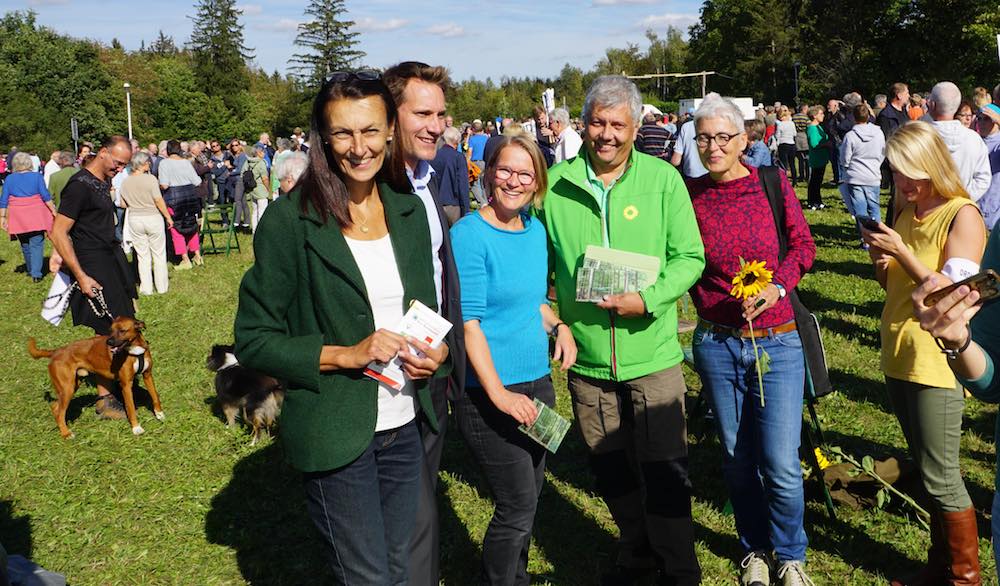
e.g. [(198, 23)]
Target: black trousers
[(425, 551), (815, 182)]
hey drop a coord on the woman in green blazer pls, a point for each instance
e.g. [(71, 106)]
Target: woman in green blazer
[(337, 263)]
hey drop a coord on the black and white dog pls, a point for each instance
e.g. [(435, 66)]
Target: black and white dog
[(241, 389)]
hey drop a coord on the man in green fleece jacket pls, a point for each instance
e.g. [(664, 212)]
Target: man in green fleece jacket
[(627, 385)]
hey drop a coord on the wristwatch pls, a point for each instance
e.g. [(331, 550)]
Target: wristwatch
[(781, 291)]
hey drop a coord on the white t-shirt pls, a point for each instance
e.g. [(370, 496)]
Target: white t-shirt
[(377, 263)]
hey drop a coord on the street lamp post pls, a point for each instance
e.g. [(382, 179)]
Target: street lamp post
[(128, 107), (796, 66)]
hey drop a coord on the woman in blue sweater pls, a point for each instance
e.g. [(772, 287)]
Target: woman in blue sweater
[(968, 331), (26, 212), (502, 260)]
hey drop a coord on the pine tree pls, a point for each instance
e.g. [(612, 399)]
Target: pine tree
[(217, 44), (163, 46), (329, 41)]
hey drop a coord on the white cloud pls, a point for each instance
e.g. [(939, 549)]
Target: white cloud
[(250, 9), (372, 25), (620, 2), (662, 21), (282, 25), (447, 30)]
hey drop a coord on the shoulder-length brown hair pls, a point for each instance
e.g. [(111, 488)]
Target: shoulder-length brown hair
[(321, 184)]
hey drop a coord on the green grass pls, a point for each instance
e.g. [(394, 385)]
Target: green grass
[(190, 502)]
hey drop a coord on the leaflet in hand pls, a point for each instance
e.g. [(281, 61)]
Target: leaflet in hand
[(548, 429), (607, 271), (420, 322)]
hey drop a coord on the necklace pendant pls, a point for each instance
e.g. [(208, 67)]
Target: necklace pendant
[(364, 229)]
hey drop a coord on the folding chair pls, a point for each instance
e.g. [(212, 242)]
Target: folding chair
[(212, 224)]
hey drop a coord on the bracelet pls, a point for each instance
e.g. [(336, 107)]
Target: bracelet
[(953, 354), (555, 329)]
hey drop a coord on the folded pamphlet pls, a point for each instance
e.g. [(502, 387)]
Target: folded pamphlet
[(548, 429), (420, 322), (607, 271)]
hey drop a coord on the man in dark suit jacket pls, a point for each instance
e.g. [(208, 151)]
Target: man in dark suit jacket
[(452, 170), (418, 90)]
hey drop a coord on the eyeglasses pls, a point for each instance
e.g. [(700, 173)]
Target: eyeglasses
[(721, 139), (524, 177), (363, 75), (119, 164)]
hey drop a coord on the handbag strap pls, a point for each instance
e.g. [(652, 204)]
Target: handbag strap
[(771, 183)]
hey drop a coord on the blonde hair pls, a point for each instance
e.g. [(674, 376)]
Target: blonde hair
[(525, 141), (917, 151)]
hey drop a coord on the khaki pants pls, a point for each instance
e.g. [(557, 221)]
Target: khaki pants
[(149, 242), (636, 433)]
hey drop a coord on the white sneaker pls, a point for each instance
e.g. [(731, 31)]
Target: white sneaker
[(756, 569), (793, 574)]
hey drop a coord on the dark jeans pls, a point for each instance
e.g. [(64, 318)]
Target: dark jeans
[(802, 157), (786, 158), (815, 182), (424, 564), (365, 510), (33, 249), (514, 467)]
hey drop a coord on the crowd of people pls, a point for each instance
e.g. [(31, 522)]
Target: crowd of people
[(386, 202)]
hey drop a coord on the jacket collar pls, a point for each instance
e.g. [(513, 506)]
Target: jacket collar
[(576, 173), (329, 243)]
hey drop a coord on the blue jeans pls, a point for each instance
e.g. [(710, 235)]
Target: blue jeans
[(760, 461), (33, 249), (514, 467), (365, 510), (864, 201)]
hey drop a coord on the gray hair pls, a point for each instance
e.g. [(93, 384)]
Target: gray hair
[(561, 116), (852, 99), (292, 166), (283, 143), (138, 160), (880, 99), (946, 97), (452, 135), (66, 159), (715, 106), (613, 90), (21, 162)]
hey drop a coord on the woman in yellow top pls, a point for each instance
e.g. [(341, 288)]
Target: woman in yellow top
[(938, 230)]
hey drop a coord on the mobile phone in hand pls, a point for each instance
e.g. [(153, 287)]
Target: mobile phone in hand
[(986, 282), (869, 223)]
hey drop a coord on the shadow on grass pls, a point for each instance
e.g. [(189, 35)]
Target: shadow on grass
[(15, 531), (859, 389), (260, 514), (844, 267), (843, 235)]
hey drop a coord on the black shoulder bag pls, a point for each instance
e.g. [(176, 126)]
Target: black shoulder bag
[(805, 321)]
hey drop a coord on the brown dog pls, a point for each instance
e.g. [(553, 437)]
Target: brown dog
[(119, 356)]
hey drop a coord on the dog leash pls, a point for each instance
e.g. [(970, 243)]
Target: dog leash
[(103, 312)]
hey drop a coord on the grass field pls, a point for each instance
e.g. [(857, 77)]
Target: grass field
[(191, 502)]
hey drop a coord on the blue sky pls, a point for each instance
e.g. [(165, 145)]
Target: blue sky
[(473, 38)]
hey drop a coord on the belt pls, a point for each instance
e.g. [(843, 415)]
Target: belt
[(744, 332)]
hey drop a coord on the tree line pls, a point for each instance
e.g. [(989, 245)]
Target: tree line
[(207, 87)]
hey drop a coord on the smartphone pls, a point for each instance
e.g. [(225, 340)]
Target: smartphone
[(986, 282), (870, 224)]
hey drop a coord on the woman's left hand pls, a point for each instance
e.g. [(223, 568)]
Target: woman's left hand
[(769, 296), (416, 367), (885, 239), (565, 348)]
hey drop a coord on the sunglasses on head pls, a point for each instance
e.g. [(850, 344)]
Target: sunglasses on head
[(362, 75)]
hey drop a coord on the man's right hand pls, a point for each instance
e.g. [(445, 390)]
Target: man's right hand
[(89, 286)]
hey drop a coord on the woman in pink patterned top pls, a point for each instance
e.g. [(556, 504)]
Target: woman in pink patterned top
[(760, 438)]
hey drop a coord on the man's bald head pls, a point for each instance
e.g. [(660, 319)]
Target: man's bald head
[(944, 100)]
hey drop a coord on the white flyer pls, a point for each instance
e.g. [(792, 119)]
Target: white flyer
[(421, 323)]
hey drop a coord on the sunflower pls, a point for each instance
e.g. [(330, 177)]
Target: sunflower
[(751, 279)]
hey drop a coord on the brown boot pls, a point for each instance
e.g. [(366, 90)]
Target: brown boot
[(936, 570), (962, 536)]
